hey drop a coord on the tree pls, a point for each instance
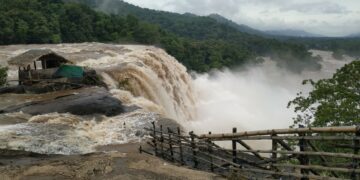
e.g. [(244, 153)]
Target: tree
[(3, 75), (332, 102)]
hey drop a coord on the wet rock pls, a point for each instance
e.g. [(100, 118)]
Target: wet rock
[(12, 89), (83, 102)]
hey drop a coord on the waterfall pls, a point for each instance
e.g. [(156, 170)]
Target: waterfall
[(150, 78), (142, 76), (250, 98)]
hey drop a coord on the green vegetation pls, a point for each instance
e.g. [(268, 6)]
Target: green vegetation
[(200, 43), (3, 76), (42, 21), (333, 102), (340, 46), (211, 37)]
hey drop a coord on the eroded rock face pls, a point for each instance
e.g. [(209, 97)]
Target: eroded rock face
[(84, 102)]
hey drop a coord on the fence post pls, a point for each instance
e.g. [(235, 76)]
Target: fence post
[(161, 142), (154, 138), (170, 144), (304, 159), (356, 144), (180, 146), (234, 147), (274, 148), (210, 150), (193, 146)]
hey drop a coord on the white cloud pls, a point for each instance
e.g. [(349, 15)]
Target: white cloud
[(327, 17)]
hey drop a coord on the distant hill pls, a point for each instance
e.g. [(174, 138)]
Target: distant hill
[(272, 33), (291, 33), (187, 24), (240, 27), (354, 35)]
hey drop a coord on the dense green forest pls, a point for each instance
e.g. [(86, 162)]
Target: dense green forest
[(216, 31), (200, 43), (218, 27), (43, 21), (340, 46)]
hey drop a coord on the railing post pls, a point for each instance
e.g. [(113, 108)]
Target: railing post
[(180, 146), (193, 147), (161, 142), (274, 148), (154, 138), (356, 144), (304, 159), (210, 150), (170, 144), (234, 153)]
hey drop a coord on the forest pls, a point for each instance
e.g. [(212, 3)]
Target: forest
[(200, 44), (340, 46), (215, 26)]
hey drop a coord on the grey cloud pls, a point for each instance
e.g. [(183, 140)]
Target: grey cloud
[(318, 7), (326, 17), (205, 6)]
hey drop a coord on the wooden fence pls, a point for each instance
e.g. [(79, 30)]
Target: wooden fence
[(303, 153)]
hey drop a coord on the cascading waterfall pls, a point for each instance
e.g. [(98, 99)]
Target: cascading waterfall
[(143, 76), (148, 74), (149, 78)]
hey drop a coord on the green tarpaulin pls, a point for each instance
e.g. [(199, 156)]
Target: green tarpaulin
[(69, 71)]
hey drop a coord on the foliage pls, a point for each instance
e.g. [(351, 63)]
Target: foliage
[(3, 75), (340, 46), (200, 43), (211, 37), (332, 102), (42, 21)]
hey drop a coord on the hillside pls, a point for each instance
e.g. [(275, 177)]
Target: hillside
[(209, 32), (340, 46), (354, 35), (241, 28), (200, 43), (291, 33), (42, 21)]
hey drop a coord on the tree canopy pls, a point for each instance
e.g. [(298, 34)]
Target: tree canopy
[(200, 43), (220, 33), (332, 102)]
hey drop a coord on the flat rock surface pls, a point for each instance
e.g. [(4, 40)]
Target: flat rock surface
[(86, 101), (125, 164)]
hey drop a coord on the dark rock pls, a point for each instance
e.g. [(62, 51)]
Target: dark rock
[(12, 89), (93, 101), (18, 153)]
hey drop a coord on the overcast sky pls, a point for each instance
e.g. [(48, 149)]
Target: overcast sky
[(325, 17)]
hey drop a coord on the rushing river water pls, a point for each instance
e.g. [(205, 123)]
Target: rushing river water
[(147, 77), (141, 76)]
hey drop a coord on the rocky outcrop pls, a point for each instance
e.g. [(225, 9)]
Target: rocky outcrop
[(84, 102), (127, 163)]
